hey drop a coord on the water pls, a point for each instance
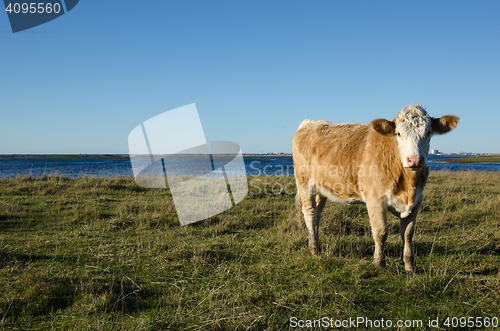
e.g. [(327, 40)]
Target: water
[(116, 166), (283, 166), (98, 166)]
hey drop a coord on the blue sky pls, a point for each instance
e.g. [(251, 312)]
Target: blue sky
[(255, 69)]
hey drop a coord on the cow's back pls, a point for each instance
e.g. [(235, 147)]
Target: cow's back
[(328, 153)]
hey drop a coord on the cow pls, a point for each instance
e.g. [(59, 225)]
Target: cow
[(382, 164)]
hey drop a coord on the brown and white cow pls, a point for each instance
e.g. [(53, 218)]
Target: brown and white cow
[(382, 164)]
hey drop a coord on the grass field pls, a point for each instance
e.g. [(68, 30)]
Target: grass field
[(106, 254), (474, 159)]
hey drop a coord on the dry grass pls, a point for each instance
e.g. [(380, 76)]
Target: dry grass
[(106, 254)]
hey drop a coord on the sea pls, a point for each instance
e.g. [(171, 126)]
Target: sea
[(120, 166)]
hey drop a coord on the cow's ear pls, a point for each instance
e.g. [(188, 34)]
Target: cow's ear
[(384, 126), (444, 124)]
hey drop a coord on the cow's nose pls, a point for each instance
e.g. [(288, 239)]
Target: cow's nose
[(415, 161)]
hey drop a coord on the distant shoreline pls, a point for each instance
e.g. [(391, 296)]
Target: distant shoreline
[(63, 155), (492, 158), (474, 159), (120, 155)]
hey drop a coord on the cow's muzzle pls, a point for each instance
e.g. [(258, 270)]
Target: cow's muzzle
[(415, 161)]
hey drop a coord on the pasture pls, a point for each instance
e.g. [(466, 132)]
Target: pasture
[(475, 159), (106, 254)]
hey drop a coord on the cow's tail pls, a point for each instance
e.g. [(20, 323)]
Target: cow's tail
[(298, 210)]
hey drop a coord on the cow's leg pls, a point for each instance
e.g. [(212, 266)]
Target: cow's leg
[(377, 211), (298, 210), (308, 200), (406, 230), (320, 205)]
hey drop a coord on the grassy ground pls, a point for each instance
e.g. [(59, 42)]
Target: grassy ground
[(474, 159), (105, 254)]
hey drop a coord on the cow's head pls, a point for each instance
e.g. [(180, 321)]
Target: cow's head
[(413, 129)]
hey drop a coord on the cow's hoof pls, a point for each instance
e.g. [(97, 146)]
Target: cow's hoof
[(315, 251), (410, 265), (379, 264), (411, 269)]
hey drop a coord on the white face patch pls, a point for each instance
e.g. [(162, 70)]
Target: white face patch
[(413, 133)]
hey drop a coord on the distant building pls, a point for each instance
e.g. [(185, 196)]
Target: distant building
[(434, 152), (281, 153)]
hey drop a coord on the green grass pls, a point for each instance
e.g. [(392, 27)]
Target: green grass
[(106, 254), (475, 159)]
